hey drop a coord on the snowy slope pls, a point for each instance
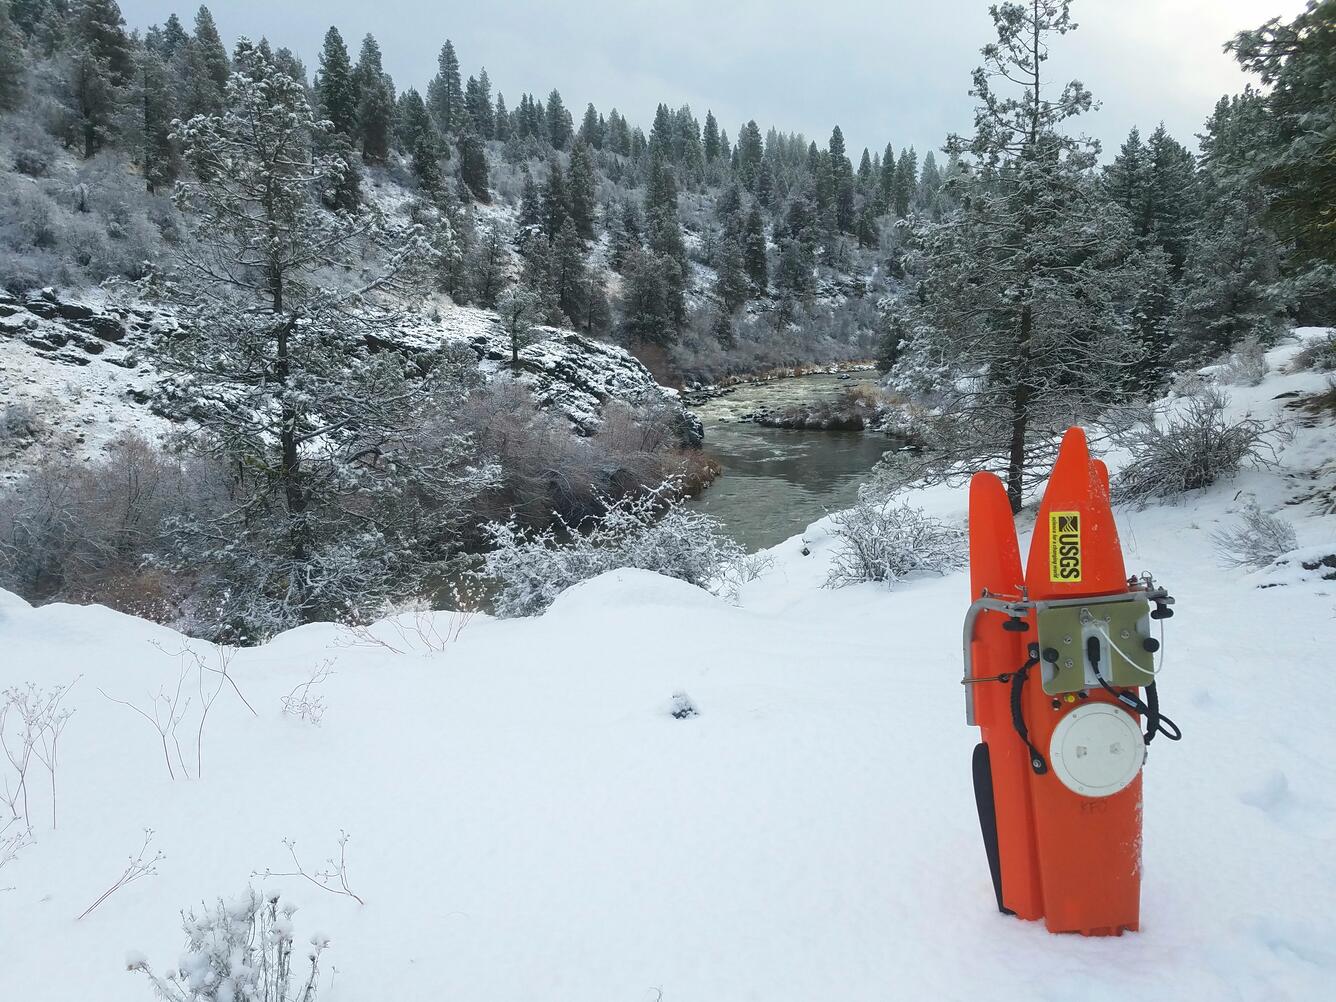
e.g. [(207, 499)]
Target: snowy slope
[(529, 821), (83, 366)]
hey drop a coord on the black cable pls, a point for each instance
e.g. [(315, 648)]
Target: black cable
[(1156, 722), (1037, 762)]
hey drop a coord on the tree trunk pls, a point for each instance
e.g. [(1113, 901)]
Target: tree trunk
[(1020, 415)]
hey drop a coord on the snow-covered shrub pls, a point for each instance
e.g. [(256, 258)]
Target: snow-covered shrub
[(82, 531), (881, 539), (1247, 366), (1256, 540), (648, 530), (240, 951), (19, 422), (1318, 353), (1191, 447)]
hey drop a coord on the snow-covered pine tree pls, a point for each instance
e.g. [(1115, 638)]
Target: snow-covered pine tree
[(12, 60), (445, 94), (1022, 299), (375, 103), (1297, 61), (1230, 289), (206, 68), (473, 171), (520, 312), (336, 86), (338, 499), (582, 189)]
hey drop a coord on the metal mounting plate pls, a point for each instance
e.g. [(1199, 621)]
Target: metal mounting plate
[(1066, 626)]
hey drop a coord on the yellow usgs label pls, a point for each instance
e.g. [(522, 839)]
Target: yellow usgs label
[(1064, 546)]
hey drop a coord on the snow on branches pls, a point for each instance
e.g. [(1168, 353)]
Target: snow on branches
[(650, 531)]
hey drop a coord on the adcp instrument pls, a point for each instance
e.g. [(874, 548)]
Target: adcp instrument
[(1060, 672)]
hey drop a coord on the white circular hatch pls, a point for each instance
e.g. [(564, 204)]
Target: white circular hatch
[(1097, 749)]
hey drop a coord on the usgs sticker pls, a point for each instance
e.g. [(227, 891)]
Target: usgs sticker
[(1064, 546)]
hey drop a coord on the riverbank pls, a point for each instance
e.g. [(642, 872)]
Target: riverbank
[(775, 481), (697, 393)]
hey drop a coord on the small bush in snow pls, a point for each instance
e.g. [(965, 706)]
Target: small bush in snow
[(19, 423), (650, 531), (1247, 366), (1256, 540), (240, 951), (1191, 448), (1319, 353), (884, 540)]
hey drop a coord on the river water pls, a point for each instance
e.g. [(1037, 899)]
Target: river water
[(777, 481)]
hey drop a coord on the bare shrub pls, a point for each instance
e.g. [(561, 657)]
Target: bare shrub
[(32, 721), (302, 702), (139, 865), (165, 711), (881, 539), (649, 530), (19, 423), (83, 531), (1247, 366), (1256, 540), (1319, 353), (14, 838), (238, 951), (1192, 447), (333, 878)]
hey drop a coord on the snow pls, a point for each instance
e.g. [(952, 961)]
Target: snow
[(528, 819), (87, 390)]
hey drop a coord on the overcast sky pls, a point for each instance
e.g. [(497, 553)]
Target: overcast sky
[(885, 70)]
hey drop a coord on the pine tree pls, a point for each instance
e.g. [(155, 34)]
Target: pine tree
[(664, 234), (646, 313), (375, 103), (93, 98), (375, 106), (12, 61), (569, 276), (100, 28), (750, 151), (591, 134), (478, 104), (520, 311), (173, 40), (582, 190), (905, 183), (559, 124), (412, 121), (1297, 61), (556, 200), (1233, 263), (531, 216), (886, 181), (732, 286), (754, 253), (160, 158), (626, 237), (426, 166), (206, 68), (328, 495), (722, 330), (502, 118), (335, 88), (1024, 289), (489, 265), (711, 140), (445, 95), (473, 169), (842, 172)]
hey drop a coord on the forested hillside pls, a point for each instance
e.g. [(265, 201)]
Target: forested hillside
[(279, 226)]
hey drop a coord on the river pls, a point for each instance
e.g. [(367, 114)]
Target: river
[(777, 481)]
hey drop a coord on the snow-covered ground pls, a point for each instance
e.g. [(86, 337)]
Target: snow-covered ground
[(528, 820)]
